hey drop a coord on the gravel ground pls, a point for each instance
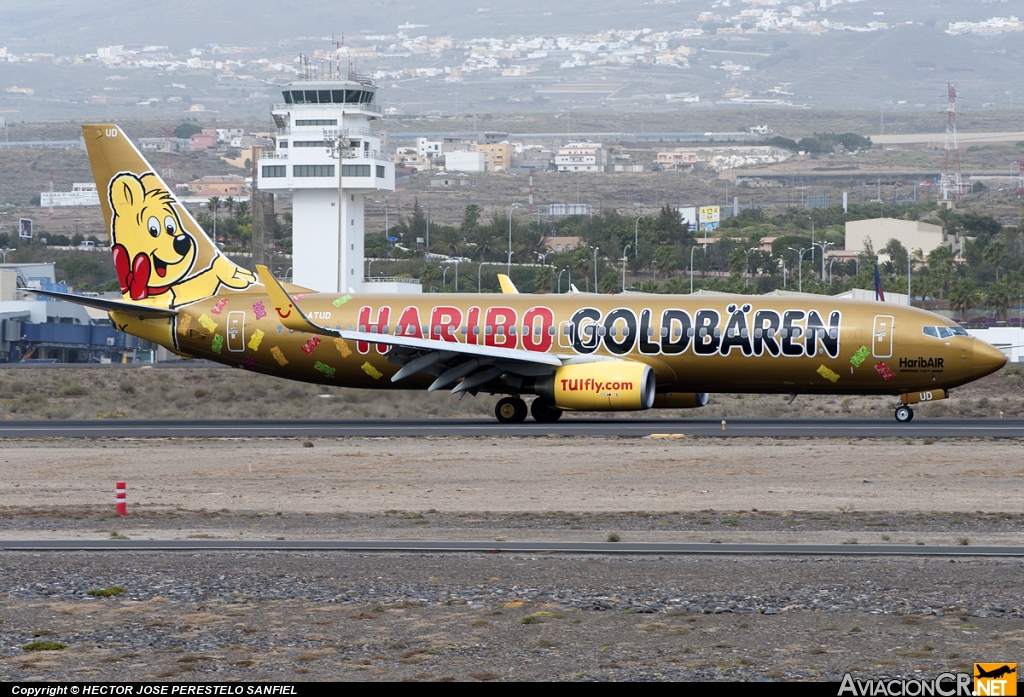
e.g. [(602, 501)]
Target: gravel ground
[(510, 474), (221, 616), (197, 390), (307, 616)]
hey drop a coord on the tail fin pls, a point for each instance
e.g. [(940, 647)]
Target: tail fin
[(162, 257)]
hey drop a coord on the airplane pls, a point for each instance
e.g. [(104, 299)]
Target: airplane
[(996, 673), (576, 351)]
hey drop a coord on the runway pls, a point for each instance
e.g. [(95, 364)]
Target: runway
[(593, 427), (484, 547)]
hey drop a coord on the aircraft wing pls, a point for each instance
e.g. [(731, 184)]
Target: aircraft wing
[(133, 308), (448, 360)]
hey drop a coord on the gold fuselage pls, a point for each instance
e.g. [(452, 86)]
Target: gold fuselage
[(753, 344)]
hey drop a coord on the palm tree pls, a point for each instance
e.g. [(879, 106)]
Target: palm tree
[(940, 263), (664, 262), (487, 240), (229, 203), (997, 297), (961, 297), (241, 209), (213, 204), (995, 255), (470, 220)]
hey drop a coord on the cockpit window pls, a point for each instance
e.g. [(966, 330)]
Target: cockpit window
[(943, 332)]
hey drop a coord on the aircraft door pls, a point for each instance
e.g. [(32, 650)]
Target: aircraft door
[(881, 340), (236, 331), (565, 334)]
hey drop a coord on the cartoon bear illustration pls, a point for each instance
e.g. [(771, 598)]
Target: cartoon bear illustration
[(154, 253)]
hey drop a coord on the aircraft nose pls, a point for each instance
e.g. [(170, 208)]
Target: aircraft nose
[(987, 358)]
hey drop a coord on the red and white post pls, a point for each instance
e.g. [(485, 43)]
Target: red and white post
[(122, 498)]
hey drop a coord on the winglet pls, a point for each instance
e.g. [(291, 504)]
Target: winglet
[(287, 309), (507, 286)]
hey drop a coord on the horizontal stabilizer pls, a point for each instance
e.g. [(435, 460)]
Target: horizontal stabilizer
[(132, 308), (287, 309)]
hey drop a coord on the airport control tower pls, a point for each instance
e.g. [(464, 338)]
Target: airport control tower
[(329, 158)]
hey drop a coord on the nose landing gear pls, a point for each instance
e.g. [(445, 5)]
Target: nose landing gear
[(904, 414)]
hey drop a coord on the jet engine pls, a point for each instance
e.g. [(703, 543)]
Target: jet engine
[(600, 386), (681, 400)]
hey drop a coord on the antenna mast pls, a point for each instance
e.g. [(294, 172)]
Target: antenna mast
[(951, 180)]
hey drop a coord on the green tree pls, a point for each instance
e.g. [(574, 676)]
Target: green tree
[(418, 221), (897, 253), (962, 297), (186, 130), (995, 256), (470, 220), (941, 264)]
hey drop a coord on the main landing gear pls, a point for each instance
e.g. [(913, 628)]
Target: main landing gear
[(512, 410), (904, 414)]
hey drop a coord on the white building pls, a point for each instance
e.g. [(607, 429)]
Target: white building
[(912, 234), (428, 148), (462, 161), (226, 135), (1009, 340), (329, 157), (80, 195), (580, 157)]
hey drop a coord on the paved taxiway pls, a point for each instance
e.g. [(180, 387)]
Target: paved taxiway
[(623, 428), (439, 546)]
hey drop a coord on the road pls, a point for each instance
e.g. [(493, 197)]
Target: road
[(623, 428), (532, 547)]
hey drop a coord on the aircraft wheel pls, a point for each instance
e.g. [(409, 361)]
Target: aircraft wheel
[(904, 414), (510, 410), (544, 411)]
